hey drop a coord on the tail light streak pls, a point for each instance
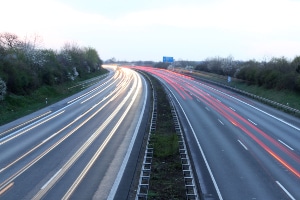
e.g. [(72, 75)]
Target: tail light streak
[(173, 79), (231, 115)]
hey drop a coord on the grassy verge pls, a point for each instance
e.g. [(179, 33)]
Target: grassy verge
[(166, 180), (14, 107), (285, 97)]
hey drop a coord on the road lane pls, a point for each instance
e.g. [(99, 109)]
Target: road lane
[(72, 142), (238, 140)]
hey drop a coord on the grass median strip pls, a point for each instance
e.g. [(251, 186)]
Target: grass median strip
[(166, 180)]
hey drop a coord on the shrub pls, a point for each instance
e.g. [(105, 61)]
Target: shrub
[(2, 89)]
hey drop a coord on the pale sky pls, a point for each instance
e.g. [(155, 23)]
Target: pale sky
[(150, 29)]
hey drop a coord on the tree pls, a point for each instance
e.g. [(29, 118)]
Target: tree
[(111, 60), (162, 65), (9, 40), (25, 66), (214, 65), (228, 66), (297, 83), (296, 64), (298, 69), (92, 58), (203, 66), (2, 89)]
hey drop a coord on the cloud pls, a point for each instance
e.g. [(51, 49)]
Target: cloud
[(50, 19), (253, 16), (250, 16), (204, 28)]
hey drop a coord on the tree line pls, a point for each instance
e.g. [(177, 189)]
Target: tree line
[(278, 73), (24, 66)]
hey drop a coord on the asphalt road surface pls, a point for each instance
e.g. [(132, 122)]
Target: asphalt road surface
[(77, 148), (241, 149)]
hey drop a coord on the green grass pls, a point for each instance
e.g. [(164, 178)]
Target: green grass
[(285, 97), (165, 145), (166, 179), (14, 107)]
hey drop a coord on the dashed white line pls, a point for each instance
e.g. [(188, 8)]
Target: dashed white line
[(243, 145), (206, 108), (232, 109), (200, 148), (266, 113), (220, 122), (285, 190), (286, 145), (252, 122)]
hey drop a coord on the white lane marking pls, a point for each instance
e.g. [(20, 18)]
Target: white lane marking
[(27, 122), (220, 122), (125, 161), (243, 145), (270, 115), (50, 179), (232, 109), (89, 92), (286, 145), (207, 108), (24, 130), (199, 146), (252, 122), (38, 121), (85, 146), (95, 94), (285, 190), (219, 100)]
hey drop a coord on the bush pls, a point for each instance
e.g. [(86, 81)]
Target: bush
[(297, 83), (25, 68), (2, 89)]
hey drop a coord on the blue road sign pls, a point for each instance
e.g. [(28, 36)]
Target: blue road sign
[(168, 59)]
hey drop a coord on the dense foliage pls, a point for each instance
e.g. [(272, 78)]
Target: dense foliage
[(162, 65), (278, 73), (24, 67)]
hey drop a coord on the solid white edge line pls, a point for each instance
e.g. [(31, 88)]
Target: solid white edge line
[(285, 190), (45, 185), (125, 161), (270, 115), (200, 148)]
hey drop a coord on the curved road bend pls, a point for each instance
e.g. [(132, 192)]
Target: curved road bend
[(78, 148), (241, 149)]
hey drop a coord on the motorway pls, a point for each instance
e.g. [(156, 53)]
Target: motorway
[(78, 148), (240, 148)]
